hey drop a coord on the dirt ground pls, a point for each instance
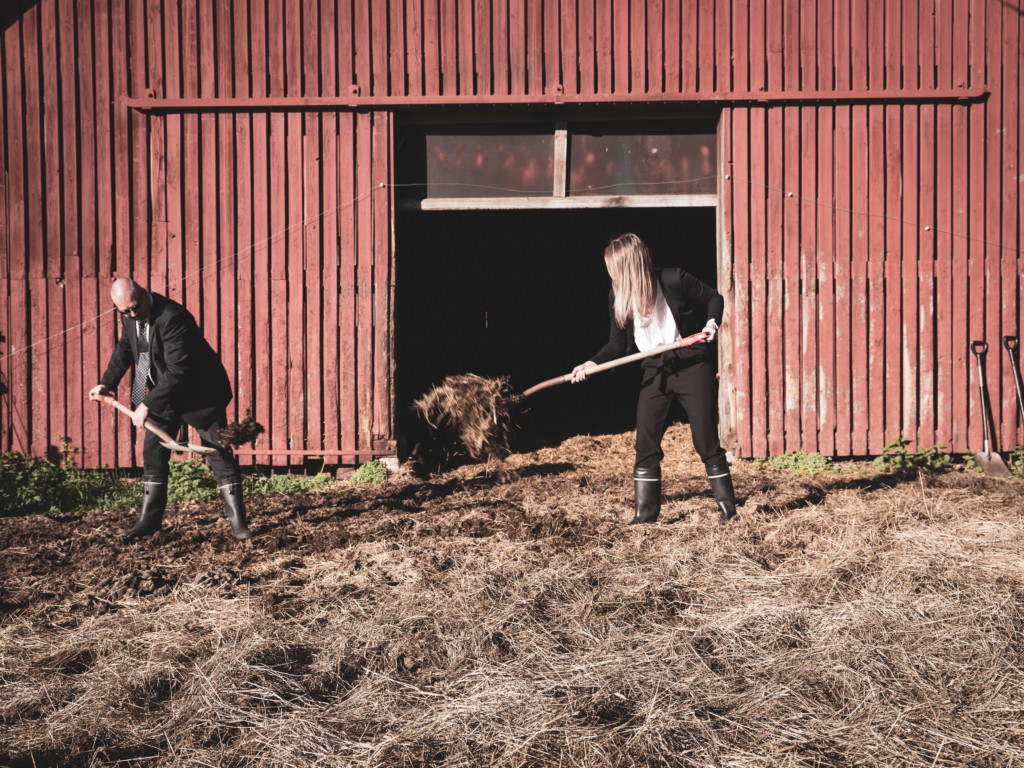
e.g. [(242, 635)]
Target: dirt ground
[(511, 618)]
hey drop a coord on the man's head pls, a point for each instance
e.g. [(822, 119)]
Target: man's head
[(130, 298)]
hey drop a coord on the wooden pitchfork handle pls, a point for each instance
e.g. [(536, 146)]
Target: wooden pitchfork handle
[(166, 440), (694, 339)]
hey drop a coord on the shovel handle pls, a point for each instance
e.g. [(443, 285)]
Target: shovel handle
[(979, 347), (689, 340), (1010, 342), (166, 439)]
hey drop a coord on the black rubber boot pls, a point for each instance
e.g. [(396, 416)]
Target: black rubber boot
[(154, 502), (647, 492), (721, 486), (234, 509)]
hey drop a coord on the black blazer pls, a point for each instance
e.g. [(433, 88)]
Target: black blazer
[(692, 304), (185, 373)]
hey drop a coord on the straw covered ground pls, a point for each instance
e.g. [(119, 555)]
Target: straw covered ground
[(514, 620)]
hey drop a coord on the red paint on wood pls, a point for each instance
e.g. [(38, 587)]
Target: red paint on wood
[(672, 46), (760, 361), (741, 191), (348, 198), (364, 282)]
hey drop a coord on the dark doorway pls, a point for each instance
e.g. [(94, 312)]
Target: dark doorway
[(524, 294)]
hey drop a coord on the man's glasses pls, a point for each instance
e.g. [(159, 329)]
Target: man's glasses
[(132, 309)]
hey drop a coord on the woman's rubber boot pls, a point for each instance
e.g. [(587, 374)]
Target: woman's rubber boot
[(234, 509), (721, 486), (647, 492), (154, 502)]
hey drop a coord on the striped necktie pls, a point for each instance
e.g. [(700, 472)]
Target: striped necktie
[(141, 369)]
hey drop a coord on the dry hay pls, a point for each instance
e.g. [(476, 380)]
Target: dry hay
[(240, 433), (476, 411), (842, 620)]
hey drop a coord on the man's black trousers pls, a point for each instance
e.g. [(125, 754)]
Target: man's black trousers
[(206, 421)]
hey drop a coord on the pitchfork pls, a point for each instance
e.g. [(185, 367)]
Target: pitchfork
[(165, 439)]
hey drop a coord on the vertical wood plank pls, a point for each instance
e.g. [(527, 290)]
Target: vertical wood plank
[(155, 127), (1012, 266), (449, 47), (87, 69), (778, 365), (944, 338), (244, 365), (926, 237), (569, 47), (348, 197), (637, 40), (552, 35), (329, 368), (672, 47), (413, 52), (396, 40), (467, 80), (279, 395), (15, 355), (73, 399), (620, 46), (842, 238), (517, 46), (312, 211), (172, 72), (534, 47), (740, 190), (364, 282), (313, 269), (295, 291), (860, 227), (484, 47), (689, 53), (760, 360), (603, 42), (46, 227), (262, 379), (381, 182), (892, 230), (706, 45), (431, 49), (501, 81)]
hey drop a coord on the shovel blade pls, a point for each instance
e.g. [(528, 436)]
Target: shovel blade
[(992, 464)]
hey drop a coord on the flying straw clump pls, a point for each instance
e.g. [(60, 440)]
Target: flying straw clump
[(472, 409), (240, 432)]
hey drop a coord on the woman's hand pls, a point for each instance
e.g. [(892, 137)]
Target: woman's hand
[(579, 373), (710, 330)]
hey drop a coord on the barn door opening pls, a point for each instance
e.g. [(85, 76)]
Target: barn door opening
[(523, 294)]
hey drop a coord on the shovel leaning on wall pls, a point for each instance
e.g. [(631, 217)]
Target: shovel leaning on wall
[(1010, 342), (990, 462)]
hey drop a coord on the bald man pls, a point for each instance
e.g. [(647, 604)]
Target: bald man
[(178, 379)]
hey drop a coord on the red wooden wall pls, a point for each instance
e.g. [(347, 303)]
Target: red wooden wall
[(238, 156)]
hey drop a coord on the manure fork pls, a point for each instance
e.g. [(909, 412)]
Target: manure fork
[(165, 439)]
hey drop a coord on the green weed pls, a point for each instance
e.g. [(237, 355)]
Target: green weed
[(896, 459), (371, 473), (797, 462)]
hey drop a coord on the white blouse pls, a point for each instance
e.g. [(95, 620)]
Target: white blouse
[(657, 329)]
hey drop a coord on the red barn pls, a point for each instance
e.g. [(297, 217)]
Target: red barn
[(357, 197)]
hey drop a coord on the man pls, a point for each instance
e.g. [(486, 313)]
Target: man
[(186, 382)]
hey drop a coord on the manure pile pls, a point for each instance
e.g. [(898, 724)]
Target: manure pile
[(471, 413), (841, 620)]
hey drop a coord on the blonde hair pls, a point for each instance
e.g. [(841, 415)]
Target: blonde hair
[(629, 265)]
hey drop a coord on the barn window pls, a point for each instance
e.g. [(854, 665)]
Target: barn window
[(558, 165)]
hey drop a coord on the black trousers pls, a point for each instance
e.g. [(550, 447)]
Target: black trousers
[(691, 382), (156, 458)]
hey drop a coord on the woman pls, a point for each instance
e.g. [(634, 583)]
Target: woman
[(650, 308)]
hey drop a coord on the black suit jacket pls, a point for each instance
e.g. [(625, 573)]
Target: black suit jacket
[(185, 373), (692, 303)]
